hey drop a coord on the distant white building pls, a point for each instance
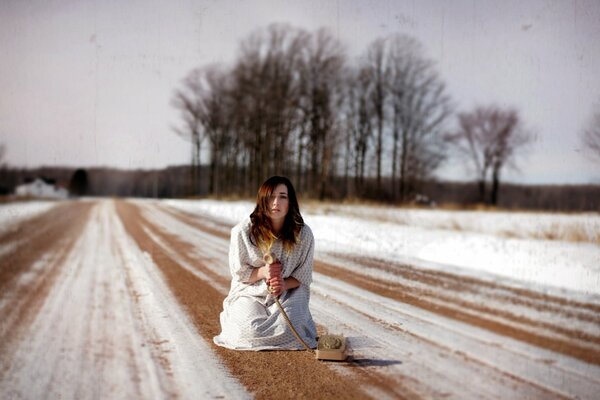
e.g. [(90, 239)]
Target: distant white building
[(42, 189)]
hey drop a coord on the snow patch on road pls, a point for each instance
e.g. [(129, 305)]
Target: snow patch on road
[(13, 213)]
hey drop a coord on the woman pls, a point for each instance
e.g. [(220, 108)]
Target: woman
[(251, 319)]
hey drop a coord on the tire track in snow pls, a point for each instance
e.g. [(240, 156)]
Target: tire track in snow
[(462, 287), (192, 363), (103, 332), (475, 313), (29, 271), (476, 350), (23, 243), (214, 249)]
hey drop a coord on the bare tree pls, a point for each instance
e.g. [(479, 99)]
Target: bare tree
[(491, 138), (189, 100), (266, 91), (376, 67), (359, 111), (3, 171), (216, 119), (321, 89), (349, 112), (420, 106), (590, 137)]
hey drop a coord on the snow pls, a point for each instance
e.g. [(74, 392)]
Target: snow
[(11, 214), (511, 247), (230, 212), (541, 225)]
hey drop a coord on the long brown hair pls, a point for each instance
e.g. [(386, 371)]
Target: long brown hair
[(261, 231)]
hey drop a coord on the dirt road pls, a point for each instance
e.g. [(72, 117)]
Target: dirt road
[(120, 299)]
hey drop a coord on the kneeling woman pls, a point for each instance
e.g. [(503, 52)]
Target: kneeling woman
[(251, 319)]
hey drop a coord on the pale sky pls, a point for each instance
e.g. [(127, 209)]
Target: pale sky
[(89, 83)]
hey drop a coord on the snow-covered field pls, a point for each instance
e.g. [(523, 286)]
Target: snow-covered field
[(436, 304)]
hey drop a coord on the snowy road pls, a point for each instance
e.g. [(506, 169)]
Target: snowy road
[(102, 330), (119, 299)]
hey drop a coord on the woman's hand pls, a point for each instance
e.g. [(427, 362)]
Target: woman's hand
[(276, 285), (272, 275), (270, 271)]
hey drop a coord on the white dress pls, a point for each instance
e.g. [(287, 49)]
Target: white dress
[(251, 319)]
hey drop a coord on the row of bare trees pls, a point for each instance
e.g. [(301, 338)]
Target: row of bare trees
[(293, 103)]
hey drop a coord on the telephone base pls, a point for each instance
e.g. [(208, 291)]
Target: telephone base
[(325, 351)]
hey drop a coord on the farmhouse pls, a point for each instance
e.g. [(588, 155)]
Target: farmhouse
[(41, 188)]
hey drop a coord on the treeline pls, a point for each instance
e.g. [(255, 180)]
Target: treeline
[(170, 182), (294, 104), (518, 197), (176, 182)]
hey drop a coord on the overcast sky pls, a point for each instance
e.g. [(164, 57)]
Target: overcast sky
[(89, 83)]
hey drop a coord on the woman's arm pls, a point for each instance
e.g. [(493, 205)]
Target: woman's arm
[(303, 271), (290, 283)]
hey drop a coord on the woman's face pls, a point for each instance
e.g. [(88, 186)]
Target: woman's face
[(279, 202)]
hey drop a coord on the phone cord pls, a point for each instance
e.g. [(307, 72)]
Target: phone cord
[(287, 319)]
